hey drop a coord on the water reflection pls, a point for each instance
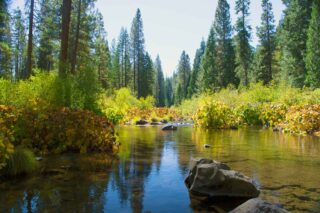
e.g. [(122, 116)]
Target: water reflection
[(148, 174)]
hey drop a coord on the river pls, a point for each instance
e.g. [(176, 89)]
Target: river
[(148, 173)]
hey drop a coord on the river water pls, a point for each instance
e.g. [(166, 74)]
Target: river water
[(148, 173)]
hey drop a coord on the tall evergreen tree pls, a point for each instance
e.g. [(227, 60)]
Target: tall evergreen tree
[(48, 30), (263, 69), (194, 80), (115, 65), (102, 53), (19, 44), (74, 54), (243, 48), (209, 77), (160, 84), (293, 41), (137, 52), (65, 26), (124, 58), (313, 48), (225, 56), (29, 64), (147, 77), (5, 40), (184, 71), (169, 92)]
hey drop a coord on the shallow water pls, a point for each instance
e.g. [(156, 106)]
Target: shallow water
[(149, 172)]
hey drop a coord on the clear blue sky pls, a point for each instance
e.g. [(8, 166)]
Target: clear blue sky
[(171, 26)]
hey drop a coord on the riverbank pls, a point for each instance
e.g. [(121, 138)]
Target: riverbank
[(39, 132)]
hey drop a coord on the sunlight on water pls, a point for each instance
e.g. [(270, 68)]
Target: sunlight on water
[(148, 174)]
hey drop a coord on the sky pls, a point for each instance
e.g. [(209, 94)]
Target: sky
[(171, 26)]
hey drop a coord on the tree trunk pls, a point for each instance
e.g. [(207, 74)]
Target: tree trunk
[(30, 41), (66, 13)]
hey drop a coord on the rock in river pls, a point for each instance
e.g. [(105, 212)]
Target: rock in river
[(258, 205), (141, 122), (214, 179), (169, 127)]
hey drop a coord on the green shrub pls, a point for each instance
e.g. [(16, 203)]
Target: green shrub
[(249, 114), (216, 115), (6, 149), (303, 120), (272, 114), (22, 161), (55, 130)]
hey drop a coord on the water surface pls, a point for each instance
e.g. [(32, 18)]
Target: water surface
[(148, 174)]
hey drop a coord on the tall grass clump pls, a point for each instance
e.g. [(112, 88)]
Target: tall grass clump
[(21, 162)]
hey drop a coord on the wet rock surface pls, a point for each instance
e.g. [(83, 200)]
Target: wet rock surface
[(258, 205), (214, 179), (141, 122), (169, 127)]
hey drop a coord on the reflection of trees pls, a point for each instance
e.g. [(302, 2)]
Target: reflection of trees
[(79, 189), (271, 158), (141, 150)]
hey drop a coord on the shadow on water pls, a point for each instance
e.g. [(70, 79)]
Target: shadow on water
[(148, 173)]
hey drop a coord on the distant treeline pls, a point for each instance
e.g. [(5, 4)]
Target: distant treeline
[(69, 36)]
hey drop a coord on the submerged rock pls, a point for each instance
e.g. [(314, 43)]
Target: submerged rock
[(258, 205), (141, 122), (214, 179), (169, 127)]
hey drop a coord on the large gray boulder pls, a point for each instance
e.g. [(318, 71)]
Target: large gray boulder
[(214, 179), (257, 205)]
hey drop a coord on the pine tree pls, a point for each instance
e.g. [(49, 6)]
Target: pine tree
[(209, 77), (5, 40), (19, 44), (184, 71), (147, 77), (243, 48), (225, 56), (178, 97), (48, 30), (293, 39), (101, 50), (263, 68), (313, 48), (115, 65), (124, 58), (137, 52), (195, 75), (160, 84), (82, 41), (29, 64), (169, 92)]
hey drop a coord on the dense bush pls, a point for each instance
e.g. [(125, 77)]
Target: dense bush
[(272, 114), (249, 114), (118, 106), (152, 114), (57, 130), (7, 120), (216, 115), (76, 92), (256, 105), (303, 120)]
